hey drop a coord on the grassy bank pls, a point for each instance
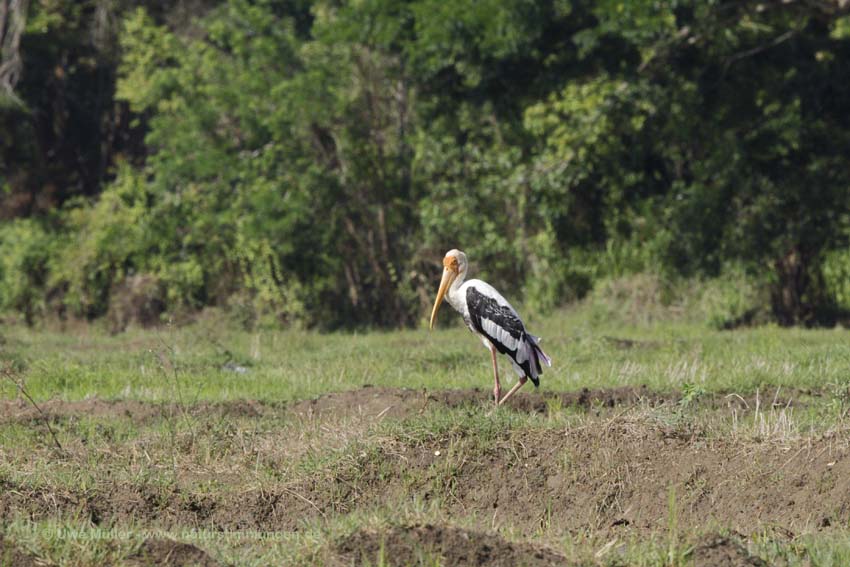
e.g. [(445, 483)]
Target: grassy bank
[(383, 448)]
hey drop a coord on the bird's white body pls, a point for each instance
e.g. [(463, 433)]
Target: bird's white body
[(489, 315), (456, 297)]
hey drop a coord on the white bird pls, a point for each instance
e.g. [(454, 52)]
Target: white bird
[(494, 320)]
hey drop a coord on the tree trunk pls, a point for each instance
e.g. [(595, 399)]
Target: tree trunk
[(790, 297), (13, 20)]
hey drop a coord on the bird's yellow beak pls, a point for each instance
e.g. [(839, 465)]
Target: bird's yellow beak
[(448, 277)]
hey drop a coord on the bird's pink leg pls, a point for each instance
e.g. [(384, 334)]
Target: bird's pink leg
[(516, 387), (497, 389)]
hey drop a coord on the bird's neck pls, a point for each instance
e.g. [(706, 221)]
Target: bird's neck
[(454, 296)]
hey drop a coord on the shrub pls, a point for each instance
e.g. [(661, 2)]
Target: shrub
[(26, 248), (101, 245), (732, 299), (836, 275)]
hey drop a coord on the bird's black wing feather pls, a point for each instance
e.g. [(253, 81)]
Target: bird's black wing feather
[(483, 307), (501, 325)]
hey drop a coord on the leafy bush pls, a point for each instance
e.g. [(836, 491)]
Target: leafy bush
[(26, 250), (634, 299), (100, 245), (732, 299), (305, 162), (836, 274)]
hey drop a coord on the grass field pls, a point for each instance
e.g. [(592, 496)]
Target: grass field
[(648, 443)]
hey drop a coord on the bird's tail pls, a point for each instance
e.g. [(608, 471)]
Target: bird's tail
[(539, 356)]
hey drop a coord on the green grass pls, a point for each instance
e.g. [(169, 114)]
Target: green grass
[(282, 366), (220, 457)]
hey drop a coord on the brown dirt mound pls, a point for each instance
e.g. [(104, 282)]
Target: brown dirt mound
[(721, 551), (378, 402), (367, 402), (401, 402), (614, 475), (21, 411), (422, 545), (171, 553)]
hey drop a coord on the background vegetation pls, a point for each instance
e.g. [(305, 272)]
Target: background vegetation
[(308, 162)]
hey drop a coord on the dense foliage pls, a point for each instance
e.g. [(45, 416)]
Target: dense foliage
[(310, 161)]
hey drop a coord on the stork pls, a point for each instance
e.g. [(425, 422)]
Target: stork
[(494, 320)]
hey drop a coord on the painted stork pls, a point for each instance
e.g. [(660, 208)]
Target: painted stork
[(494, 320)]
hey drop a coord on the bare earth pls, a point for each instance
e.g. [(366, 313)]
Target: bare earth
[(612, 478)]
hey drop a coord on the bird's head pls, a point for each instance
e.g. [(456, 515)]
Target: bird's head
[(454, 265)]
